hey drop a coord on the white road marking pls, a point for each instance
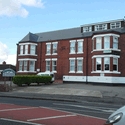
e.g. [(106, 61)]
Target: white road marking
[(61, 116), (72, 112), (20, 121), (17, 109), (89, 107)]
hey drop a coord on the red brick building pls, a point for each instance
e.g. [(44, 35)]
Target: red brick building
[(89, 53)]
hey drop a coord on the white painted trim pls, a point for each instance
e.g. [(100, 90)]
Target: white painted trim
[(80, 40), (27, 55), (28, 44), (48, 59), (27, 71), (115, 22), (73, 53), (54, 42), (27, 59), (79, 72), (48, 43), (101, 56), (115, 72), (103, 35), (54, 71), (80, 52), (54, 54), (71, 71), (54, 59), (105, 50), (48, 54), (72, 58), (79, 58), (72, 41)]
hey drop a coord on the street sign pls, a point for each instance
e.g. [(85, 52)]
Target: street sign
[(8, 73)]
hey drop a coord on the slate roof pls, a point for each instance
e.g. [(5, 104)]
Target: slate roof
[(65, 34), (2, 66)]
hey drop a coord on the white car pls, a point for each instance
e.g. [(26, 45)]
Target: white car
[(117, 118)]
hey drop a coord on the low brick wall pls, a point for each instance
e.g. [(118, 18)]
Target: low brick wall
[(4, 88)]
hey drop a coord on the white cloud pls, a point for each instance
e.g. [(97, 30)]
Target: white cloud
[(4, 55), (14, 7)]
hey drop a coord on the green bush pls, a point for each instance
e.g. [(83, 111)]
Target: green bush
[(28, 79)]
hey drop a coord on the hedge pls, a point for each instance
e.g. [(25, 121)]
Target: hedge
[(28, 79)]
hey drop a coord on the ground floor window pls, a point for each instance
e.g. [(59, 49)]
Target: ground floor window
[(47, 65), (106, 63), (25, 65), (115, 64), (72, 65), (20, 65), (54, 63), (98, 64), (32, 66)]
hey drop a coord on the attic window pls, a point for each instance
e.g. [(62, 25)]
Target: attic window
[(87, 29), (100, 27), (115, 25)]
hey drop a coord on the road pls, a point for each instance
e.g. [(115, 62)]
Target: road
[(15, 111)]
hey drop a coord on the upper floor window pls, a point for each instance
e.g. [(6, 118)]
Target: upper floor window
[(98, 43), (106, 63), (115, 42), (80, 46), (21, 49), (98, 64), (72, 46), (20, 65), (115, 25), (32, 66), (87, 29), (100, 27), (54, 48), (48, 49), (32, 49), (106, 42), (26, 49)]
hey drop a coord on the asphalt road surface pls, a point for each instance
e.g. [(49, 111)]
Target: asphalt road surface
[(15, 111)]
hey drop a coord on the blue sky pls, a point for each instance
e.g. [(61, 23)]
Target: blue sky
[(19, 17)]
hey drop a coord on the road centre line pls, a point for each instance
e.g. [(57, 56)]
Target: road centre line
[(17, 109), (72, 112), (89, 107), (20, 121), (61, 116)]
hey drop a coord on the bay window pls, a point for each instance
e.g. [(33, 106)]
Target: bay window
[(26, 49), (20, 65), (32, 49), (31, 65), (107, 63), (25, 65), (98, 64), (21, 49), (98, 43), (106, 42), (115, 42), (115, 64)]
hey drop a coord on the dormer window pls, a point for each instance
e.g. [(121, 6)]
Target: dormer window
[(115, 25), (87, 29), (100, 27)]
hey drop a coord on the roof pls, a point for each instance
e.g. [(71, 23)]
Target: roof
[(66, 34), (30, 37), (2, 67)]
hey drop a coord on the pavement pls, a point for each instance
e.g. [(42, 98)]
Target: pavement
[(73, 92)]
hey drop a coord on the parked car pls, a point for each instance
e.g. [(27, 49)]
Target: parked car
[(47, 74), (117, 118)]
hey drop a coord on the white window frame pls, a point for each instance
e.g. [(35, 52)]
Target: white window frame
[(26, 49), (98, 42), (115, 42), (105, 63), (114, 24), (32, 66), (54, 59), (48, 49), (116, 64), (100, 27), (72, 59), (96, 64), (87, 29), (21, 49), (80, 41), (48, 60), (25, 65), (54, 43), (80, 58), (32, 50), (105, 41), (72, 41), (20, 65)]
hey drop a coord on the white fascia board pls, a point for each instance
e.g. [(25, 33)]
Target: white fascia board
[(72, 41), (96, 56), (72, 58), (27, 59), (28, 44), (79, 58), (54, 42), (48, 43), (103, 35), (48, 59), (54, 59), (80, 40)]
